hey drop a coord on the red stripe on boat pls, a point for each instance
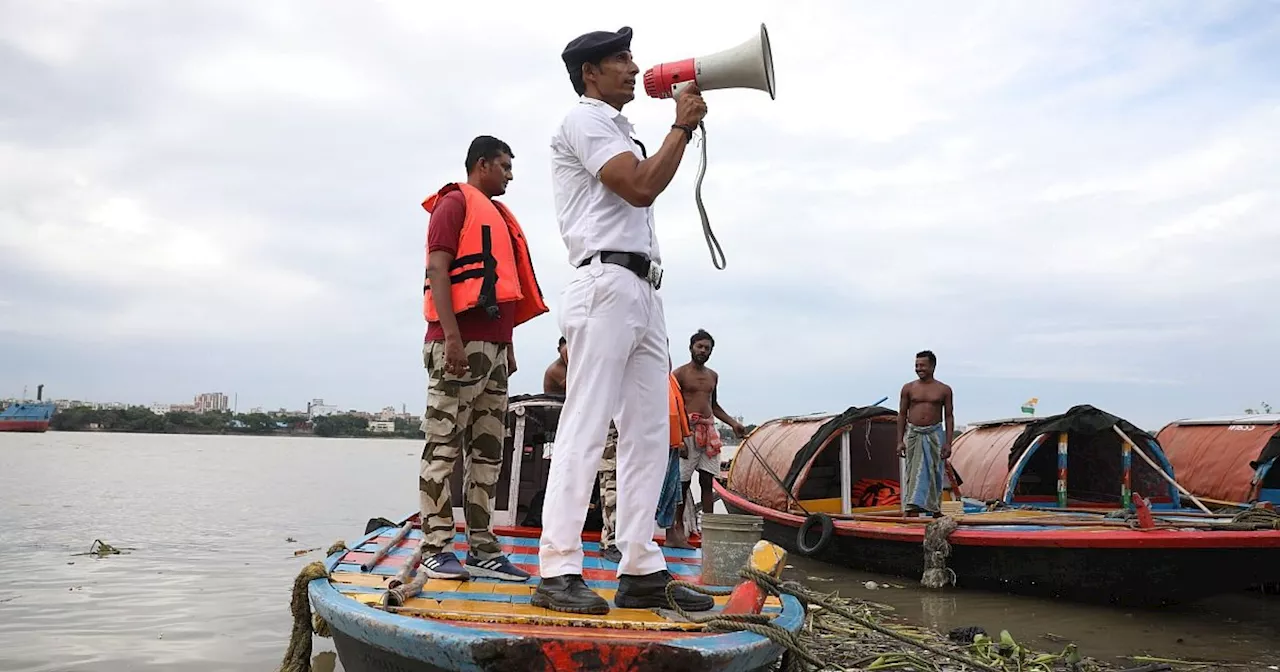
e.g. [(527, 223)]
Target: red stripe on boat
[(1062, 538)]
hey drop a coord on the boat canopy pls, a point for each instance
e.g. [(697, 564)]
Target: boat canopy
[(1228, 458), (1076, 458), (800, 458), (531, 422)]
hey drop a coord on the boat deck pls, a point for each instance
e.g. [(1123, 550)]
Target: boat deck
[(503, 605)]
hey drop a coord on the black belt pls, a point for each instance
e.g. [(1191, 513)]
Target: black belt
[(636, 263)]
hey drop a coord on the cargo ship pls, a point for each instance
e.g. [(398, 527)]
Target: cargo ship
[(27, 416)]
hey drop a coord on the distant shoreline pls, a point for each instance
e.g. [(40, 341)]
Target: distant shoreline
[(141, 420), (195, 432)]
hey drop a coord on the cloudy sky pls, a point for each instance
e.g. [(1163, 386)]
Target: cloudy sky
[(1074, 201)]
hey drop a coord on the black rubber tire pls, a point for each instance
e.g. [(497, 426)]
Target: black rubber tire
[(828, 531)]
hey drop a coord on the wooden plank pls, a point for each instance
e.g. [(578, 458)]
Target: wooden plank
[(592, 568), (358, 579), (471, 611)]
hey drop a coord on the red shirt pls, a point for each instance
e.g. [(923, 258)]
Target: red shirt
[(443, 231)]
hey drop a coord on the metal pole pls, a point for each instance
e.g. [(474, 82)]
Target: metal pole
[(846, 475), (1062, 469), (386, 548)]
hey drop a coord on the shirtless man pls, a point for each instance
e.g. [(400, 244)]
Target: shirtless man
[(698, 388), (924, 405), (555, 381)]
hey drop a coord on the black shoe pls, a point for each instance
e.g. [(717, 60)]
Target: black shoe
[(612, 554), (650, 590), (568, 593)]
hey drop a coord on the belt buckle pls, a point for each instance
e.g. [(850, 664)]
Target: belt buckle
[(654, 276)]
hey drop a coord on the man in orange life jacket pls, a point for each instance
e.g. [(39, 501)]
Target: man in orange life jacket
[(479, 285)]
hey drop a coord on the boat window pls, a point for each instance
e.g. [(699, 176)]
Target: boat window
[(873, 456), (1094, 473)]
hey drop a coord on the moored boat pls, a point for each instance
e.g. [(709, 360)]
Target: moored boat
[(801, 476), (1228, 459), (384, 614), (27, 416)]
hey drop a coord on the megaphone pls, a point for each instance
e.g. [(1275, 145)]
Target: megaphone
[(746, 66)]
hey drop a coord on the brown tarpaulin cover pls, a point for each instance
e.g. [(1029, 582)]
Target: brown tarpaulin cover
[(777, 442), (1213, 460), (980, 455)]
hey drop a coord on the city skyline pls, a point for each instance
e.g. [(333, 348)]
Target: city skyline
[(211, 401)]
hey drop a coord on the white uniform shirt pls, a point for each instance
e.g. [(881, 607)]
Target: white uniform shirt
[(593, 218)]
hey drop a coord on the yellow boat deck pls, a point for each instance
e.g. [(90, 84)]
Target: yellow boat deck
[(490, 602)]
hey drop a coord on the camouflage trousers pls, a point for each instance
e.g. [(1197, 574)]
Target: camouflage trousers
[(465, 415), (608, 479)]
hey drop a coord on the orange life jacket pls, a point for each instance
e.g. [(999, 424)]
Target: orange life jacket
[(492, 265), (876, 492), (679, 419)]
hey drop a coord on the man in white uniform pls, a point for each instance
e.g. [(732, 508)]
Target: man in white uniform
[(612, 318)]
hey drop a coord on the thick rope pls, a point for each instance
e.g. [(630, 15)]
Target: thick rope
[(791, 641), (760, 624), (1253, 520), (936, 551), (297, 658)]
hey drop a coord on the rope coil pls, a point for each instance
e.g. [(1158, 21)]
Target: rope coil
[(936, 551), (297, 658)]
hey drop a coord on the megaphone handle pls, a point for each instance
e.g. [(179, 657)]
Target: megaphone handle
[(713, 245)]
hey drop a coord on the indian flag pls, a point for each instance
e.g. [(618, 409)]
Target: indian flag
[(1029, 406)]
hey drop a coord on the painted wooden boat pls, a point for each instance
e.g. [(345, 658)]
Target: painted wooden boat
[(1230, 459), (489, 625), (802, 475)]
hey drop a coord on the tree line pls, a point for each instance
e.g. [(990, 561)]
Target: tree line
[(142, 420), (138, 419)]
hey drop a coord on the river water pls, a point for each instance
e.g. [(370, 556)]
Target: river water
[(209, 526)]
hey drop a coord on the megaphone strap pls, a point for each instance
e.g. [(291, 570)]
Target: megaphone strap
[(713, 245)]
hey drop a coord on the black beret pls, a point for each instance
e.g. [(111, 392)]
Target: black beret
[(595, 44)]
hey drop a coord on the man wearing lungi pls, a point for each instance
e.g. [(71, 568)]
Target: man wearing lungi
[(922, 409)]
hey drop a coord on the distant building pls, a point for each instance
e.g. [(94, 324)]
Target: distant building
[(161, 409), (211, 402), (317, 408), (382, 426)]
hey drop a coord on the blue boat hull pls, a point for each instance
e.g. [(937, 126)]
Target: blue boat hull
[(368, 639)]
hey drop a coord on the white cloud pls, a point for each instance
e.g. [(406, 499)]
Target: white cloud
[(1072, 193)]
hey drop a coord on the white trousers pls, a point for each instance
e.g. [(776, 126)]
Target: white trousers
[(616, 336)]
